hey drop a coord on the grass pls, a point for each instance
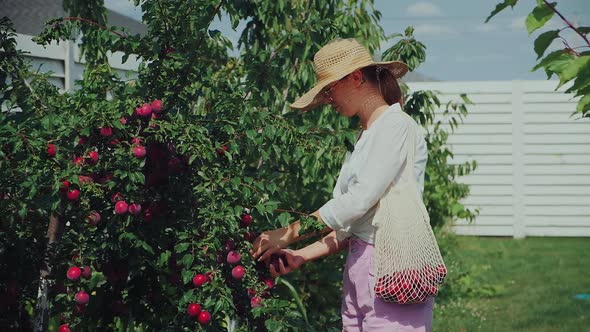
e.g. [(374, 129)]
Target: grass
[(539, 279)]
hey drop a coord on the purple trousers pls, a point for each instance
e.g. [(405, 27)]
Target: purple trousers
[(362, 311)]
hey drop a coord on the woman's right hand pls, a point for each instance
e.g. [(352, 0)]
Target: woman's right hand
[(287, 261), (270, 242)]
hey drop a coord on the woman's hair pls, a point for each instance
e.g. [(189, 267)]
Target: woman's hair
[(384, 79)]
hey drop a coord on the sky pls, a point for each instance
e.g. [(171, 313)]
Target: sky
[(459, 45)]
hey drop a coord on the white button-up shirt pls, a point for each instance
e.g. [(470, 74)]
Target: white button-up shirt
[(377, 160)]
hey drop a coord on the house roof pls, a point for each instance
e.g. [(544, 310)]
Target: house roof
[(29, 16)]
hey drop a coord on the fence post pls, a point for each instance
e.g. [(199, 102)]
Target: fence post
[(519, 225)]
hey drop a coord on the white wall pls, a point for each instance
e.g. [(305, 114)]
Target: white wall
[(533, 177), (64, 61)]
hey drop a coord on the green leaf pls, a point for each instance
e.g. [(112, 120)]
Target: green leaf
[(181, 247), (554, 62), (164, 257), (544, 40), (500, 7), (539, 16), (187, 275), (583, 105), (273, 325), (583, 30), (466, 99), (97, 279), (187, 260), (145, 246), (573, 68)]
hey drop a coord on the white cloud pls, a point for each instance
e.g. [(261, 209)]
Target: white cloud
[(486, 27), (424, 9), (481, 58), (518, 23), (434, 29)]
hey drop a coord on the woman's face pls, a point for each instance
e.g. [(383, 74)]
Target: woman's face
[(341, 95)]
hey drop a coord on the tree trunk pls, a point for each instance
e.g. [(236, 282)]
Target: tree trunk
[(54, 231)]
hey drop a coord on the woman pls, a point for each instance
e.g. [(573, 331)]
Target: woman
[(354, 85)]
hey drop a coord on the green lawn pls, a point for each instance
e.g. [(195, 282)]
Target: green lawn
[(540, 277)]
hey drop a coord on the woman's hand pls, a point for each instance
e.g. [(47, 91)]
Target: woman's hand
[(287, 261), (270, 242)]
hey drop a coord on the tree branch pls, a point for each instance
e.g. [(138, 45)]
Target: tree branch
[(568, 22)]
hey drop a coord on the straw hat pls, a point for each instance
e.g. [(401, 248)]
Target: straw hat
[(338, 59)]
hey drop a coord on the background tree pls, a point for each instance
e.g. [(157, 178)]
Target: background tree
[(569, 63)]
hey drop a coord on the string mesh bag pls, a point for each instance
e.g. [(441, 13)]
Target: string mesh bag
[(408, 265)]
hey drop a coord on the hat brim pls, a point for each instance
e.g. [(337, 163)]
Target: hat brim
[(312, 99)]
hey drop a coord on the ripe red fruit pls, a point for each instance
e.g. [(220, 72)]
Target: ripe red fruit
[(221, 151), (250, 236), (145, 110), (74, 273), (78, 161), (136, 140), (83, 179), (157, 105), (64, 185), (139, 151), (246, 220), (148, 215), (204, 317), (64, 328), (233, 257), (433, 290), (193, 309), (238, 272), (402, 298), (86, 272), (135, 208), (441, 270), (93, 218), (274, 261), (174, 165), (81, 140), (73, 194), (256, 302), (121, 207), (117, 197), (51, 150), (93, 155), (269, 283), (106, 131), (230, 244), (199, 280), (123, 120), (82, 297)]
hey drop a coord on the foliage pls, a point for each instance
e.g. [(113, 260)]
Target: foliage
[(224, 145), (569, 64)]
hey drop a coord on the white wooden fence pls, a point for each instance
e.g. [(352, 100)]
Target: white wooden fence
[(533, 177)]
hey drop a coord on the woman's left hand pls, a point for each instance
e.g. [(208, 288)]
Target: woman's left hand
[(269, 242), (287, 261)]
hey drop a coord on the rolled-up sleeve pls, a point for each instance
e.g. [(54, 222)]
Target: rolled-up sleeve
[(385, 159)]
